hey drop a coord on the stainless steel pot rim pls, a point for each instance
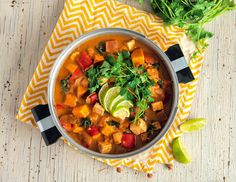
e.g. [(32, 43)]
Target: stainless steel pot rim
[(108, 31)]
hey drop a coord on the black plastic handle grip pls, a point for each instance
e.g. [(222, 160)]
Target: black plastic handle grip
[(45, 123), (179, 64)]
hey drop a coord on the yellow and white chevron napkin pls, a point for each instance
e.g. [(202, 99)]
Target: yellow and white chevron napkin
[(82, 16)]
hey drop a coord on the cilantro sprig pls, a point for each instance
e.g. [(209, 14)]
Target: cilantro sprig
[(134, 82), (192, 15)]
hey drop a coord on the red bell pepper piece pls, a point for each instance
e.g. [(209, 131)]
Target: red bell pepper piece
[(66, 125), (93, 130), (84, 60), (128, 140), (78, 72)]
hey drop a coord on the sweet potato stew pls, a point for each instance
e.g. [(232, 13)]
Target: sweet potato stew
[(113, 94)]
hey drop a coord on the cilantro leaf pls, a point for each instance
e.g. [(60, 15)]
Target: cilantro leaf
[(113, 123), (85, 122), (192, 15), (65, 84), (92, 75)]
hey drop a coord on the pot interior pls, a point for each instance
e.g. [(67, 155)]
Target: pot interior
[(58, 73)]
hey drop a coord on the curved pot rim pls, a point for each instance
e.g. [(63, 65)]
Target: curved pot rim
[(109, 31)]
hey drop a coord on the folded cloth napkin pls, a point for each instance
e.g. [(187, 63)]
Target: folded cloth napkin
[(82, 16)]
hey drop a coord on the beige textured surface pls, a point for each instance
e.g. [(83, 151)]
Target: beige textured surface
[(26, 25)]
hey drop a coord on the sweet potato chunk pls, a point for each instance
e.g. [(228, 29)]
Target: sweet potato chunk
[(104, 147), (71, 67), (117, 137), (157, 106), (108, 130), (84, 82), (77, 129), (112, 46), (98, 58), (94, 117), (137, 57), (139, 127), (81, 91), (70, 100), (74, 55), (81, 111)]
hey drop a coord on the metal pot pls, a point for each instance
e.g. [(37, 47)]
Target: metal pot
[(173, 59)]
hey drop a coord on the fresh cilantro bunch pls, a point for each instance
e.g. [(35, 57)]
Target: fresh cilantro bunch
[(191, 14), (134, 82)]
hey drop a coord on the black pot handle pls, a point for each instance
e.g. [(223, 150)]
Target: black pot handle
[(179, 64), (45, 123)]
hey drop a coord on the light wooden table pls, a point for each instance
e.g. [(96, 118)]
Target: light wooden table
[(25, 27)]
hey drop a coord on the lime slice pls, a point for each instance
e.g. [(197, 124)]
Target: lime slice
[(193, 125), (125, 103), (115, 101), (102, 92), (180, 152), (110, 95), (121, 112)]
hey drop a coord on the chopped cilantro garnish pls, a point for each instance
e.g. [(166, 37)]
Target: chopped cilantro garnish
[(134, 82)]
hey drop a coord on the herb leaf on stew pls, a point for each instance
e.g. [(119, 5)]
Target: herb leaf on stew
[(101, 47), (113, 123), (85, 122), (134, 82), (64, 84)]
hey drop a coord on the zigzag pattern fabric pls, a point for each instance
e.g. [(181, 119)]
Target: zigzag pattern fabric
[(82, 16)]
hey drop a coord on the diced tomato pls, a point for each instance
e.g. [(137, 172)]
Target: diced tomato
[(84, 60), (93, 98), (78, 72), (93, 130), (59, 106), (66, 125), (128, 140)]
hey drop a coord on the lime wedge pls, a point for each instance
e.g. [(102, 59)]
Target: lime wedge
[(110, 95), (115, 101), (193, 125), (180, 152), (125, 103), (121, 112), (102, 92)]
